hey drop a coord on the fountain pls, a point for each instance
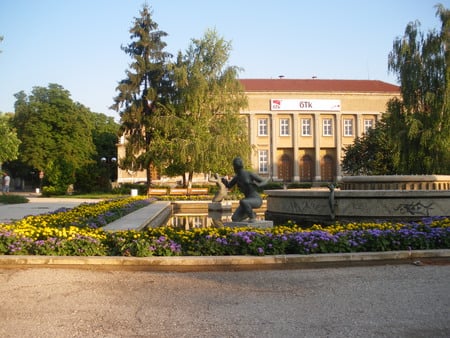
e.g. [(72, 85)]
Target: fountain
[(363, 198), (198, 214), (219, 210)]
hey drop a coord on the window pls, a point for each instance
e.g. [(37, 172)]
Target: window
[(348, 127), (306, 127), (262, 127), (327, 127), (284, 127), (368, 124), (263, 161)]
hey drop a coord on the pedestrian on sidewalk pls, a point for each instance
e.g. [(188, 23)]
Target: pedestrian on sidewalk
[(6, 181)]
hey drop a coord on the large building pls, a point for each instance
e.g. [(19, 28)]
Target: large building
[(298, 128)]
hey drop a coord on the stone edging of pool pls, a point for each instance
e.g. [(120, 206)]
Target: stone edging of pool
[(208, 263)]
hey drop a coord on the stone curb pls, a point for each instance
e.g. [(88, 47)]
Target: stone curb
[(202, 263)]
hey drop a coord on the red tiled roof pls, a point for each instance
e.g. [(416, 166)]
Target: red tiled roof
[(317, 85)]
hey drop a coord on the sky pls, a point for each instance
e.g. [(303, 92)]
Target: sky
[(77, 43)]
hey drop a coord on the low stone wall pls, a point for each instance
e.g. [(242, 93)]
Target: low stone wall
[(396, 182), (325, 207)]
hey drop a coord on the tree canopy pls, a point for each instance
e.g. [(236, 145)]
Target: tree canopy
[(420, 121), (143, 91), (370, 154), (204, 130), (55, 133), (414, 134), (9, 142), (180, 116)]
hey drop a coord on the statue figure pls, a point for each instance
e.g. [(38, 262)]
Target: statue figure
[(222, 192), (247, 183)]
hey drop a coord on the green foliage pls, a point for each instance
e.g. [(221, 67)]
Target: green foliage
[(370, 154), (9, 142), (55, 134), (97, 176), (12, 199), (63, 139), (420, 122), (414, 134), (94, 177), (59, 175), (204, 130), (142, 92), (184, 116), (78, 246), (51, 190)]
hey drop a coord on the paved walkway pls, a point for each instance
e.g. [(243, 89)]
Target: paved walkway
[(379, 301), (36, 206)]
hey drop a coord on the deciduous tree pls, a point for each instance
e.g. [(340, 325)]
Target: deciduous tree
[(9, 142), (414, 134), (420, 122), (207, 131), (55, 134), (370, 154)]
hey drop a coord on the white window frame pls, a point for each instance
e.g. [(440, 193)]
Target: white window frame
[(327, 127), (263, 161), (284, 127), (348, 127), (368, 124), (306, 127), (263, 127)]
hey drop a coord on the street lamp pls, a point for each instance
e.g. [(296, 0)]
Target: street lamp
[(111, 164), (112, 160)]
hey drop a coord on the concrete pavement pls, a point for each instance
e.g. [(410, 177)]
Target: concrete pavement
[(36, 206)]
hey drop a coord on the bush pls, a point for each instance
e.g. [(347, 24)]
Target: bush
[(53, 191), (13, 199)]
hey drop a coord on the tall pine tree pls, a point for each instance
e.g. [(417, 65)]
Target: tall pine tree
[(142, 92)]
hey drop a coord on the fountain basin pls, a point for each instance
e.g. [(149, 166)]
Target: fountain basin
[(326, 207), (396, 182)]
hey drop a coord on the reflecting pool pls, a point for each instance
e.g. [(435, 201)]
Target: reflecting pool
[(208, 219)]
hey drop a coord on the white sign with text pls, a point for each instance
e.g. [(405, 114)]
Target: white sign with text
[(305, 104)]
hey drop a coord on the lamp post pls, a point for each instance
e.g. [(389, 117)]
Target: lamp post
[(41, 177), (110, 163)]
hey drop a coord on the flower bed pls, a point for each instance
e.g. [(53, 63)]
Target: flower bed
[(78, 232)]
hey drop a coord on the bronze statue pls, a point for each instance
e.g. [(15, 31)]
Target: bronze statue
[(247, 183), (222, 192)]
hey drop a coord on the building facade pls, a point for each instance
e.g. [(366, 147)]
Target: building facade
[(298, 128)]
